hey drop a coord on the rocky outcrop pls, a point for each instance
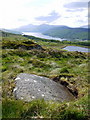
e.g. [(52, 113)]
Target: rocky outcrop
[(30, 87)]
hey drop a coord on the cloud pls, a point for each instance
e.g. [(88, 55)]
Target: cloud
[(76, 5), (50, 18), (22, 20), (75, 10), (16, 13), (80, 21)]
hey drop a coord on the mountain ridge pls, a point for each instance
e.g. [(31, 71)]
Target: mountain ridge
[(36, 28), (10, 31), (59, 31), (68, 33)]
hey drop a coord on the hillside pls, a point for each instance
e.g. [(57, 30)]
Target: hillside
[(34, 28), (49, 61), (60, 31), (10, 31), (68, 33)]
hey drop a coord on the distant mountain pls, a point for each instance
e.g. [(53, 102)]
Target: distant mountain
[(85, 26), (68, 33), (26, 28), (43, 27), (8, 34), (59, 31), (10, 31), (35, 28)]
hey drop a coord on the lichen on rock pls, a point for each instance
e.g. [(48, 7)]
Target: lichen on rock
[(30, 87)]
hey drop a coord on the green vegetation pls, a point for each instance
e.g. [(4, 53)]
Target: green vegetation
[(46, 109), (68, 33), (58, 44), (46, 58), (57, 31)]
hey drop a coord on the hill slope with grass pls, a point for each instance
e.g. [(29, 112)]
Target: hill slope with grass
[(68, 33), (60, 31), (49, 61)]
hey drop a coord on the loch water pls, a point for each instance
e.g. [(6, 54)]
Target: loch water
[(76, 48)]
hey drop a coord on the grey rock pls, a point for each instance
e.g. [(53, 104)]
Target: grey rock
[(30, 87)]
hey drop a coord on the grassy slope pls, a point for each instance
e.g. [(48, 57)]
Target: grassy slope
[(50, 63), (68, 33)]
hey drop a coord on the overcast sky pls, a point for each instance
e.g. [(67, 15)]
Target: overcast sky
[(16, 13)]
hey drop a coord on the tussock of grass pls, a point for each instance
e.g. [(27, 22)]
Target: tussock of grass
[(77, 110)]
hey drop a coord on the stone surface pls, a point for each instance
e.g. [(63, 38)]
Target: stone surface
[(30, 87)]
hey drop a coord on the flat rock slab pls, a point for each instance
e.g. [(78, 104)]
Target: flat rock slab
[(30, 87)]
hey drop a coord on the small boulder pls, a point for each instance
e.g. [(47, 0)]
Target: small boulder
[(30, 87)]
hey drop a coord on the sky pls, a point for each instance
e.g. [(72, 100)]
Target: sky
[(16, 13)]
